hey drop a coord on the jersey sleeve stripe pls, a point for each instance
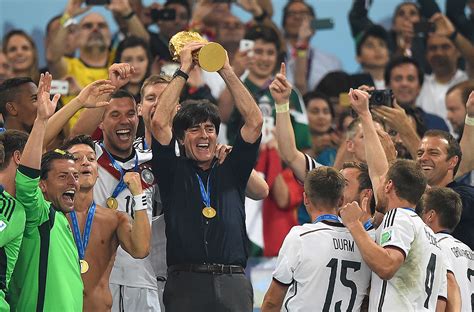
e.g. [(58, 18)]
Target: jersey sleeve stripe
[(382, 296), (292, 296), (281, 283)]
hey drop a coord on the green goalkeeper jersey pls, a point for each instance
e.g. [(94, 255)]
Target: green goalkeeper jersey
[(47, 275), (12, 225)]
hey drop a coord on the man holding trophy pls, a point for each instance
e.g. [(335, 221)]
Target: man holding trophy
[(203, 200)]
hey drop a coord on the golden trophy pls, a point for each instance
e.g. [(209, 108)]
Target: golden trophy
[(210, 57)]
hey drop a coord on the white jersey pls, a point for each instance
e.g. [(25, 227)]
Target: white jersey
[(459, 259), (420, 279), (323, 268), (127, 270)]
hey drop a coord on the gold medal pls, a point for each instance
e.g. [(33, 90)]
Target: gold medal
[(84, 266), (209, 212), (112, 203)]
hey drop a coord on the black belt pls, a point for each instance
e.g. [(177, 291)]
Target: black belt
[(208, 268)]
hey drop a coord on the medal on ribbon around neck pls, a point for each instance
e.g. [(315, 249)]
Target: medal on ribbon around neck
[(84, 266), (207, 211), (112, 203), (83, 241)]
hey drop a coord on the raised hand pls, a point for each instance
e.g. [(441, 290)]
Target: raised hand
[(395, 117), (444, 27), (359, 101), (305, 32), (75, 8), (470, 105), (121, 7), (120, 74), (222, 151), (351, 213), (46, 106), (186, 55), (90, 96), (134, 183), (280, 88)]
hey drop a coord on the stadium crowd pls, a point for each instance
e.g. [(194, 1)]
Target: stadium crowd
[(133, 180)]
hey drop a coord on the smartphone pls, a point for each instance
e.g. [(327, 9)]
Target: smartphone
[(424, 27), (322, 24), (247, 45), (163, 14), (97, 2), (60, 87)]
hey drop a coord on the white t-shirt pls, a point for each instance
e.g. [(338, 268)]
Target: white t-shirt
[(127, 270), (324, 268), (459, 259), (432, 94), (419, 281)]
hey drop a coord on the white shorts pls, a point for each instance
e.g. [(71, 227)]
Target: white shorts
[(133, 299)]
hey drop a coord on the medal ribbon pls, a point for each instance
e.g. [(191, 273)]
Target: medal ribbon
[(121, 185), (329, 217), (205, 195), (82, 242)]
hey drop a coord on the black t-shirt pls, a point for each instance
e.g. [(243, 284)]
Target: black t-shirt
[(465, 229), (159, 47), (191, 237)]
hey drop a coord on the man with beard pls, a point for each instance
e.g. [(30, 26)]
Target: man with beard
[(94, 41), (18, 102), (456, 99), (402, 237), (47, 275), (104, 229), (443, 50)]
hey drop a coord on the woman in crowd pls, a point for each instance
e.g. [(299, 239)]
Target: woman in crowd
[(21, 53)]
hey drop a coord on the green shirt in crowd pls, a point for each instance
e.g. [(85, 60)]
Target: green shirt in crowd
[(47, 275), (266, 103), (12, 225)]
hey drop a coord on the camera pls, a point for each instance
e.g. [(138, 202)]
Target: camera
[(381, 98), (163, 15)]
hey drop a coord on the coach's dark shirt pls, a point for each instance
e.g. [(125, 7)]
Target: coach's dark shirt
[(465, 229), (191, 237)]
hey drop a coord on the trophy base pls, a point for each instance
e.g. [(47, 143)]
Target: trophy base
[(212, 57)]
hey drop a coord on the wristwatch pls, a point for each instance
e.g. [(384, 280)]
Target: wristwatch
[(180, 73)]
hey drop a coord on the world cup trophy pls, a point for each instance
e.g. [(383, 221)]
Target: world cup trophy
[(210, 57)]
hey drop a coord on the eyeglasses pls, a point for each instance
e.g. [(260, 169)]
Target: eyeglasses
[(90, 25)]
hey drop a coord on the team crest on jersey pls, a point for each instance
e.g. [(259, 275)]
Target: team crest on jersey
[(3, 226), (147, 176), (386, 237)]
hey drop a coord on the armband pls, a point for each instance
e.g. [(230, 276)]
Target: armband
[(282, 108), (469, 121), (140, 202), (368, 225)]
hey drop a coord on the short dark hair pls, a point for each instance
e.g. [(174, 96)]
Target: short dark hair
[(9, 91), (466, 87), (183, 3), (402, 60), (334, 83), (314, 95), (79, 139), (264, 33), (453, 148), (446, 203), (194, 112), (363, 179), (11, 141), (51, 21), (287, 7), (49, 157), (352, 127), (408, 179), (324, 185), (375, 31), (122, 93)]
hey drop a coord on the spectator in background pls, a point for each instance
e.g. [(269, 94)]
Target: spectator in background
[(168, 27), (71, 41), (372, 55), (306, 64), (324, 138), (20, 51), (335, 85), (456, 99), (5, 68), (443, 50), (456, 12), (261, 70), (402, 38), (94, 41)]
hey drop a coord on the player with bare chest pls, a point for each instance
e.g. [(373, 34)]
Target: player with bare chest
[(98, 231)]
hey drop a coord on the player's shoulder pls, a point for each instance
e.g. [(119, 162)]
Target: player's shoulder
[(399, 216), (320, 228)]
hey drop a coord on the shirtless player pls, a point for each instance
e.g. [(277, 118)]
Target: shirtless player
[(109, 228)]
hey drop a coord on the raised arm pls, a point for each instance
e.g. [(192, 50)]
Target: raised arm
[(245, 103), (378, 166), (281, 90), (467, 140), (135, 27), (166, 106), (455, 11), (31, 156), (89, 97), (358, 17), (135, 238), (55, 50)]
